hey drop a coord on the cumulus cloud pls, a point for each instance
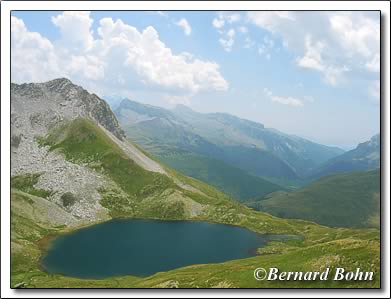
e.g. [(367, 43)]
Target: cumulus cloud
[(32, 56), (75, 27), (149, 57), (332, 43), (119, 57), (185, 26), (89, 66), (357, 35), (284, 100)]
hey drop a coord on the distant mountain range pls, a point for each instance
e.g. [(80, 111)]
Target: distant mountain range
[(222, 144), (364, 157)]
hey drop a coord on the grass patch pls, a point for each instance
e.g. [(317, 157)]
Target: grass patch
[(26, 184)]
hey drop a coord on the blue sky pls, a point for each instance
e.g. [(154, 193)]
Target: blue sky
[(312, 74)]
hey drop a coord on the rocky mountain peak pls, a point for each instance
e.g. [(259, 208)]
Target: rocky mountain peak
[(39, 106), (60, 85)]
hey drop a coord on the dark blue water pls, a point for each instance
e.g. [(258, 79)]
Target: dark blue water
[(144, 247)]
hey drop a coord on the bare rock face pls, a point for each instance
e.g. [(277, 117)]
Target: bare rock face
[(35, 109)]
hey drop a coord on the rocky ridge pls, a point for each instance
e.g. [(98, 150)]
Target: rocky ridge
[(38, 107)]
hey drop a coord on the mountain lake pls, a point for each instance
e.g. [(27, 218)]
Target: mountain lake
[(144, 247)]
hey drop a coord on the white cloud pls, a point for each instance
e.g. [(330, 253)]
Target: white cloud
[(155, 63), (231, 33), (312, 59), (270, 20), (90, 67), (332, 43), (225, 17), (32, 55), (185, 26), (291, 101), (119, 57), (228, 39), (75, 27), (227, 35), (357, 34), (248, 42), (288, 100), (218, 23)]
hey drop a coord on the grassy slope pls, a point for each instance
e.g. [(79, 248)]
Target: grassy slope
[(82, 141), (199, 161), (349, 200), (231, 180)]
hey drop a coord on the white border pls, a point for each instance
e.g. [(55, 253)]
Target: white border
[(7, 6)]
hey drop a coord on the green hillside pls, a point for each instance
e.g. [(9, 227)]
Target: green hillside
[(231, 180), (344, 200)]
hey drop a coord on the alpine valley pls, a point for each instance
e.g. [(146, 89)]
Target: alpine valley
[(75, 163)]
